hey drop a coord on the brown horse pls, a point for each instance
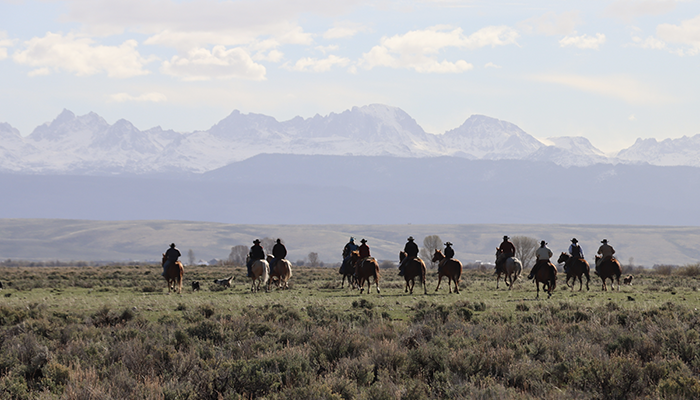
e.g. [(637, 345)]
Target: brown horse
[(576, 269), (173, 275), (449, 267), (511, 267), (282, 273), (414, 269), (547, 275), (609, 268), (364, 269)]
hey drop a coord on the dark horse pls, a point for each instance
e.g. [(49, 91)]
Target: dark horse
[(348, 271), (576, 268), (364, 269), (173, 275), (414, 269), (547, 275), (449, 267), (609, 268)]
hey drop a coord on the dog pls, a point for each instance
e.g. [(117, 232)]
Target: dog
[(195, 286), (226, 282), (628, 280)]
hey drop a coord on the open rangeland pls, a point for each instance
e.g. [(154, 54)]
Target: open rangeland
[(114, 332)]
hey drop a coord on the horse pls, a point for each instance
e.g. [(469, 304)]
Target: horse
[(365, 268), (348, 271), (609, 268), (173, 275), (261, 273), (449, 267), (511, 267), (576, 269), (282, 271), (415, 268), (547, 275)]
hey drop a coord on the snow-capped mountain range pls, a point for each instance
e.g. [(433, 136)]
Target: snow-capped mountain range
[(87, 144)]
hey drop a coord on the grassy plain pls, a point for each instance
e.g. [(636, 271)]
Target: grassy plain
[(114, 332)]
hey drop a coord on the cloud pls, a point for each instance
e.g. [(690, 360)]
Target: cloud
[(315, 65), (80, 56), (583, 41), (551, 24), (219, 63), (4, 44), (491, 65), (630, 9), (417, 50), (344, 30), (191, 24), (152, 96), (617, 87), (687, 33)]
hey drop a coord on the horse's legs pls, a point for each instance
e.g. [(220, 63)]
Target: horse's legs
[(537, 283), (440, 280), (498, 277), (376, 284), (456, 281)]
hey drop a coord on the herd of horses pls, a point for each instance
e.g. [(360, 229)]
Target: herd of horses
[(361, 271)]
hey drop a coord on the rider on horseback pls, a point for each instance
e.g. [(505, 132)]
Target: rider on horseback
[(347, 250), (576, 253), (278, 252), (256, 253), (606, 251), (543, 255), (411, 250), (364, 249), (505, 250), (171, 256), (449, 251)]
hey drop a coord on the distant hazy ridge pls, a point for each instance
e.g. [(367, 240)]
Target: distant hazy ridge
[(54, 239)]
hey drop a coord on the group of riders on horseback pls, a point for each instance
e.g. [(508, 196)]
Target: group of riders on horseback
[(505, 251)]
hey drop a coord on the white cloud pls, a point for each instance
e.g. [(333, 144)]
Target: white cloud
[(632, 118), (583, 41), (618, 87), (191, 24), (79, 55), (152, 96), (630, 9), (417, 49), (649, 43), (4, 44), (491, 65), (326, 49), (551, 24), (315, 65), (687, 33), (344, 30), (220, 63)]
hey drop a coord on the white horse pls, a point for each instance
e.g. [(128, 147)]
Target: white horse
[(511, 267), (261, 273)]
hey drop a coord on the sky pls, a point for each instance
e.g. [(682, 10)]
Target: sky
[(611, 71)]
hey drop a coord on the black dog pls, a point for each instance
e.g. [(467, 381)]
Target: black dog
[(195, 286)]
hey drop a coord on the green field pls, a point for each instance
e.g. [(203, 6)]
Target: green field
[(115, 332)]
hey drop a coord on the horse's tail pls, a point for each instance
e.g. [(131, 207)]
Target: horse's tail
[(265, 273)]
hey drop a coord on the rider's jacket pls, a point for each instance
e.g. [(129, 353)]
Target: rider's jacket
[(576, 251), (257, 252), (543, 253), (364, 251), (279, 251), (411, 249), (606, 250), (172, 254), (349, 248), (507, 247), (449, 252)]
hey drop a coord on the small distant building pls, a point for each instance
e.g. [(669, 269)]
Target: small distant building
[(202, 262)]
